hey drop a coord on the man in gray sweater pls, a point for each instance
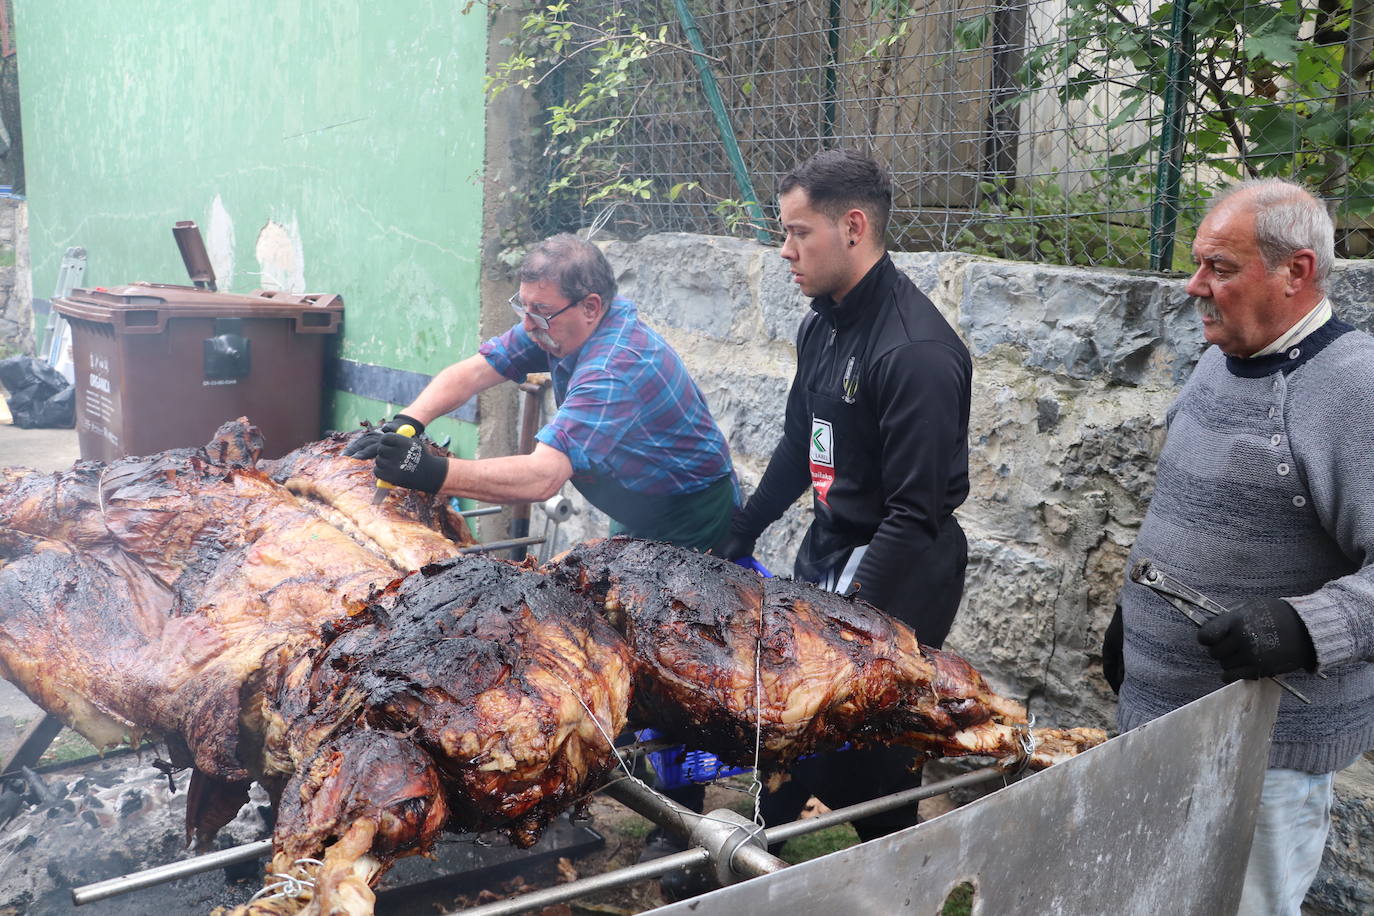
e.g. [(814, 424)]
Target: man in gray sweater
[(1265, 501)]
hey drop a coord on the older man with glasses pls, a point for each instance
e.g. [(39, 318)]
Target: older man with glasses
[(632, 431)]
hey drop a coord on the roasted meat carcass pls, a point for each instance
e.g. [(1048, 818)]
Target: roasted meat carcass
[(190, 596), (473, 693), (728, 660), (269, 623), (410, 527), (220, 564), (514, 688)]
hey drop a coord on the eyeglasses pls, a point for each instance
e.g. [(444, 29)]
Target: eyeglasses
[(540, 321)]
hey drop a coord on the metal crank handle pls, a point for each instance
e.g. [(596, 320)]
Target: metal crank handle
[(1177, 593), (1278, 679)]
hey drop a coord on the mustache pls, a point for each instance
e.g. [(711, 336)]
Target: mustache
[(1207, 309), (543, 339)]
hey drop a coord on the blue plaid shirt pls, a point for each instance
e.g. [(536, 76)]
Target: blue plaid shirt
[(627, 409)]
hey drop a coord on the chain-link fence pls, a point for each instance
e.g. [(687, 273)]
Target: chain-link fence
[(1067, 131)]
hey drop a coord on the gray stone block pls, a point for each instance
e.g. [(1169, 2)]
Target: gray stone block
[(695, 283), (1127, 327), (1351, 290), (781, 303), (748, 407), (1345, 882), (923, 267)]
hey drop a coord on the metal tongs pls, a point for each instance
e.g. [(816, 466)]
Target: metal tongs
[(1196, 606)]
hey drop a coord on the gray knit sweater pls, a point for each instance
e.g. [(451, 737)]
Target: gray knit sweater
[(1266, 487)]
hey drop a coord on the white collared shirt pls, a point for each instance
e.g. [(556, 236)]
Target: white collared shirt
[(1314, 319)]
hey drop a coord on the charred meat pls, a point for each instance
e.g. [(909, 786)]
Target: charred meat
[(729, 660)]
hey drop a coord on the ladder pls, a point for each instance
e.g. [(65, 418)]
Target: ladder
[(57, 335)]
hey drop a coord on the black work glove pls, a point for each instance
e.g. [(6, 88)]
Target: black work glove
[(1113, 652), (1259, 638), (736, 546), (365, 446), (407, 463)]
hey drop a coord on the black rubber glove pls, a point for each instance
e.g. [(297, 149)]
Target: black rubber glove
[(1113, 652), (407, 463), (365, 446), (1259, 638), (736, 546)]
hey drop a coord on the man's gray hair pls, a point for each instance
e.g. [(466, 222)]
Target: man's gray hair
[(1288, 218), (577, 267)]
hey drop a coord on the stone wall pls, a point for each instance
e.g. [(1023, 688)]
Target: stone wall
[(16, 292), (1073, 372)]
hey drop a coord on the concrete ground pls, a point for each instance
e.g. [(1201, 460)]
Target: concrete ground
[(43, 450)]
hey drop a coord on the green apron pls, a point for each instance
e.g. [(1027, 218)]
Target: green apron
[(699, 520)]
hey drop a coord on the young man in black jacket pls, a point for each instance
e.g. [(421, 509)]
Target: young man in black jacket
[(877, 426)]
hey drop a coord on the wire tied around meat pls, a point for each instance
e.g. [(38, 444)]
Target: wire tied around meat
[(288, 885), (1028, 742), (756, 784)]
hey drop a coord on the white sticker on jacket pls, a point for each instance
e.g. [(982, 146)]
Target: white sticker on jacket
[(822, 457)]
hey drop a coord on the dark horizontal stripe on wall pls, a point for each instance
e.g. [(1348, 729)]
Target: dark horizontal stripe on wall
[(391, 386)]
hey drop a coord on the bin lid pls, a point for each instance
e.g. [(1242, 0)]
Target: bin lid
[(144, 308)]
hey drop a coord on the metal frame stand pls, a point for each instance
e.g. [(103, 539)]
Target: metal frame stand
[(733, 847)]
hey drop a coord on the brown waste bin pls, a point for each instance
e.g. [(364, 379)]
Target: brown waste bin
[(161, 366)]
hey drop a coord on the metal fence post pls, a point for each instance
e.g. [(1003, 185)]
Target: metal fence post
[(727, 130), (1164, 214), (832, 61)]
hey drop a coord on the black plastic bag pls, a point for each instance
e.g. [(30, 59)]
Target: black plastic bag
[(39, 395)]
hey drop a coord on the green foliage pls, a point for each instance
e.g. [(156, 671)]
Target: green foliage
[(1264, 98), (820, 843), (596, 61), (68, 745), (1110, 228), (959, 902), (737, 215), (580, 123)]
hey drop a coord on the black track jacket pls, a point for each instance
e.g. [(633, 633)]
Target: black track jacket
[(877, 424)]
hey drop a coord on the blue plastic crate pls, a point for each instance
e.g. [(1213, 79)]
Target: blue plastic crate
[(677, 766)]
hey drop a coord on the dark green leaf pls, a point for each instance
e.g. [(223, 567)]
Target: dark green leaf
[(969, 34), (1275, 40)]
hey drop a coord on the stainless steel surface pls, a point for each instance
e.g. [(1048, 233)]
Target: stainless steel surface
[(111, 887), (736, 850), (1193, 604), (1154, 821), (784, 832), (557, 508), (736, 846), (643, 800), (483, 510), (574, 889)]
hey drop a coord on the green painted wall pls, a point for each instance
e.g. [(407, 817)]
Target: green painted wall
[(357, 129)]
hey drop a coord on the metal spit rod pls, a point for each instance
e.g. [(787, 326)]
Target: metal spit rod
[(709, 830), (641, 800), (668, 815), (112, 887), (501, 545), (481, 510), (877, 805), (631, 874)]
